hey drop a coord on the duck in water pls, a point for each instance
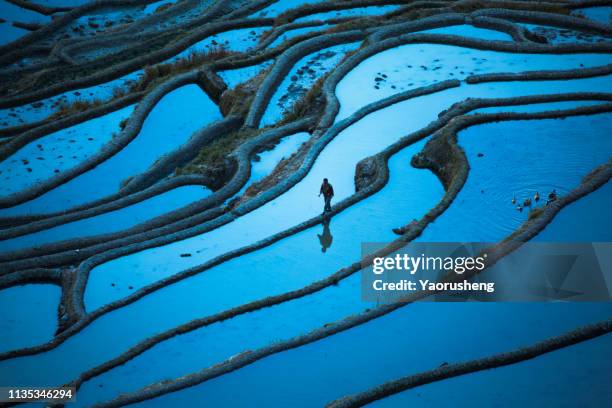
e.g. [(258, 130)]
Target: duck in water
[(552, 197), (536, 197)]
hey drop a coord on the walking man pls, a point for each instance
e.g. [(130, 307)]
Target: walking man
[(328, 192)]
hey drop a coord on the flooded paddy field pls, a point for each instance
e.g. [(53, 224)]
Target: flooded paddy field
[(167, 236)]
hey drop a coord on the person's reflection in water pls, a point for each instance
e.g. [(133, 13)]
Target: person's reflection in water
[(326, 238)]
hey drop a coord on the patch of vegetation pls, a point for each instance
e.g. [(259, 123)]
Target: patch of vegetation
[(285, 167), (310, 104), (77, 106), (265, 34), (356, 24), (156, 73), (291, 14), (443, 156), (214, 155), (153, 75), (237, 101)]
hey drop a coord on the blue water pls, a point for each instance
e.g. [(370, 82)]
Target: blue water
[(263, 265), (11, 12), (269, 159), (302, 76), (467, 30), (601, 14), (269, 271), (337, 162), (45, 157), (233, 77), (117, 220), (8, 33), (415, 65), (310, 317), (588, 380), (520, 159), (422, 336), (592, 226), (544, 106), (170, 124), (530, 383), (238, 40), (43, 108), (415, 338), (28, 315)]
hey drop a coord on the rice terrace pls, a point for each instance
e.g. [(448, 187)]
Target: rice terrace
[(189, 190)]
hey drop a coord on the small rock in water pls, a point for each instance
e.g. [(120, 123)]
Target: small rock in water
[(185, 255), (480, 155)]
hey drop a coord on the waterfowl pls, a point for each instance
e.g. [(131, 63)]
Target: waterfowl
[(536, 197), (527, 202), (519, 207), (514, 200), (552, 197)]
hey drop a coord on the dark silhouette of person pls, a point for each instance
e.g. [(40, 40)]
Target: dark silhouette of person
[(326, 238), (328, 192)]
